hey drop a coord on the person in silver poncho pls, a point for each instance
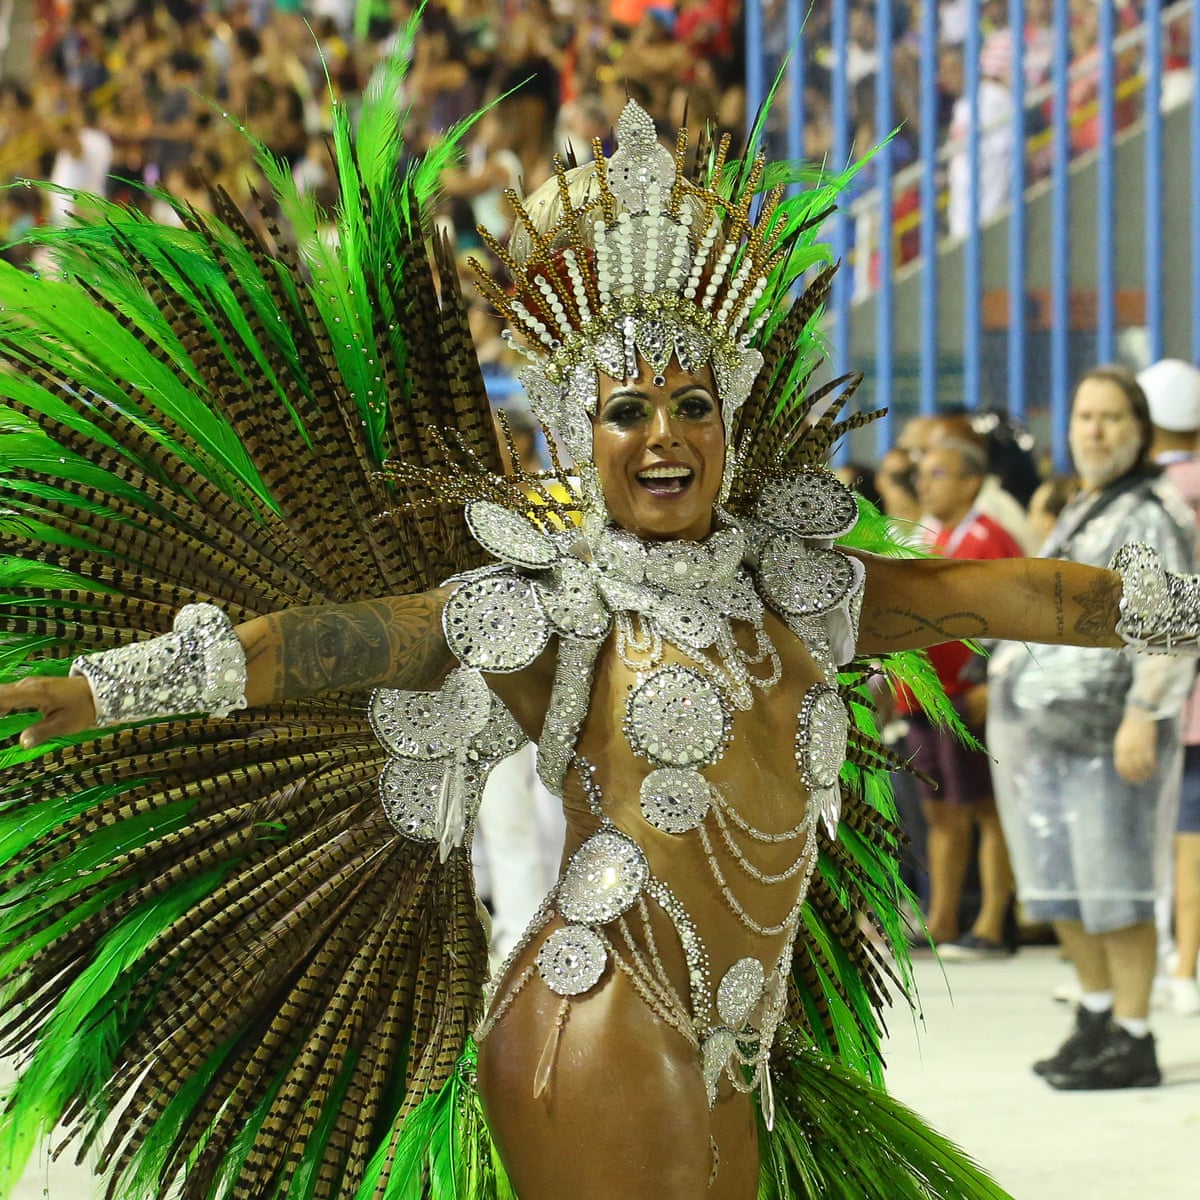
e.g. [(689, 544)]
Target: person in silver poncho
[(1086, 754)]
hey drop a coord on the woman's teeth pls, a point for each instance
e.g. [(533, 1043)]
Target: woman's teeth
[(665, 480)]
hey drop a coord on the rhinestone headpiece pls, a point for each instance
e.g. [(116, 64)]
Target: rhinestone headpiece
[(640, 260)]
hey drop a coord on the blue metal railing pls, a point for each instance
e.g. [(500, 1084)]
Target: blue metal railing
[(983, 318)]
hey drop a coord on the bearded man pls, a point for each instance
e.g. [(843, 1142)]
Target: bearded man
[(1086, 743)]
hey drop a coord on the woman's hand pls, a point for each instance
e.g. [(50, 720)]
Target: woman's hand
[(65, 703)]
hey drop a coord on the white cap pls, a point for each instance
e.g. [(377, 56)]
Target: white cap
[(1173, 389)]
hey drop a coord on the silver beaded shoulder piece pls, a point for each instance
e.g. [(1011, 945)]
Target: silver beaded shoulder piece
[(442, 746), (815, 587), (501, 618), (199, 667), (1160, 609)]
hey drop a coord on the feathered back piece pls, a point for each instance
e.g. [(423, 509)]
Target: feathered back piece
[(221, 965)]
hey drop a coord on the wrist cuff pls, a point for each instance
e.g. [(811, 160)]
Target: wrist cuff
[(199, 667)]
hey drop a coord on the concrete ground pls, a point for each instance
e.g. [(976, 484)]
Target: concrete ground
[(967, 1070)]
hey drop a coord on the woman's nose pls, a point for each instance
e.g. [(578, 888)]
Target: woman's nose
[(662, 427)]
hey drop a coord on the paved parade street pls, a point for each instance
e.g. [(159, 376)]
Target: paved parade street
[(968, 1072)]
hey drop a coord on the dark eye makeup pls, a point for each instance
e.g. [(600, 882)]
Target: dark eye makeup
[(626, 410)]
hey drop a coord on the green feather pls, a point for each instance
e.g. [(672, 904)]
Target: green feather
[(92, 1013), (837, 1138)]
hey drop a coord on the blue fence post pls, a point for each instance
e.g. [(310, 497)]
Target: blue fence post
[(1194, 157), (1106, 272), (1016, 224), (841, 295), (755, 53), (929, 214), (884, 316), (972, 251), (1060, 245), (1153, 281), (795, 79)]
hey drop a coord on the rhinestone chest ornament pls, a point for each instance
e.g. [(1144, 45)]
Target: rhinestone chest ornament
[(678, 717)]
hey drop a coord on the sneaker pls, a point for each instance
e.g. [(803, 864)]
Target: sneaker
[(1119, 1061), (973, 948), (1087, 1036), (1185, 997)]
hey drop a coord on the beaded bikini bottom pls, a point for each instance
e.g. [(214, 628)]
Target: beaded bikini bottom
[(604, 900)]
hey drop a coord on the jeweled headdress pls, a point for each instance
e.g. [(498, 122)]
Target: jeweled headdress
[(630, 256)]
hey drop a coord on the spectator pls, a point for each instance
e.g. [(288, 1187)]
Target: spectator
[(1173, 391), (492, 167), (655, 59), (1086, 747), (921, 433), (176, 115), (994, 113), (82, 159), (579, 122), (949, 477), (895, 481), (126, 121)]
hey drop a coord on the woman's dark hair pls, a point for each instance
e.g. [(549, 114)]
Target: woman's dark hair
[(1126, 381)]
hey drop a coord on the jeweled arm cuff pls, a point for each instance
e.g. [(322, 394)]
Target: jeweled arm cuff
[(1160, 609), (199, 667)]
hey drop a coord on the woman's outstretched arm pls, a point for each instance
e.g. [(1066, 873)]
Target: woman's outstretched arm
[(395, 642), (912, 603)]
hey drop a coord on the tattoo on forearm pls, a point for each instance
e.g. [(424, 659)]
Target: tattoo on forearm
[(390, 643), (901, 623), (1098, 609), (1060, 615)]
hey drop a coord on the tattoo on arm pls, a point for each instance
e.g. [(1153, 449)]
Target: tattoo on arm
[(1060, 616), (904, 623), (1099, 609), (378, 643)]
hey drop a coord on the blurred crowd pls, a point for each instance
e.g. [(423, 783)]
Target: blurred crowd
[(128, 94)]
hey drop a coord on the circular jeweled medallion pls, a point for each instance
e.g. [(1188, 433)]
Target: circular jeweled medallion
[(509, 536), (619, 554), (809, 503), (688, 622), (675, 799), (572, 602), (739, 991), (493, 623), (411, 791), (802, 581), (572, 959), (821, 732), (676, 717), (681, 566), (603, 878)]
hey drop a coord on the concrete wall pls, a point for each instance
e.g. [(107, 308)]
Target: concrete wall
[(1130, 206)]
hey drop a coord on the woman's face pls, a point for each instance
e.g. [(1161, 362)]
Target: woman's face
[(659, 450)]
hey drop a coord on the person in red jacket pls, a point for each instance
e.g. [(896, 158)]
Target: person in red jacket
[(949, 476)]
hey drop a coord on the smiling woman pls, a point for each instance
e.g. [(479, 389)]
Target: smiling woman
[(659, 449)]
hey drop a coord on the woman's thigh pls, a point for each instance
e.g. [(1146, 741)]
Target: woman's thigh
[(623, 1115)]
